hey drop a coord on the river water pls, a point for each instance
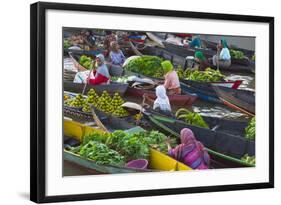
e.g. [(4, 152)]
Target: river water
[(202, 107)]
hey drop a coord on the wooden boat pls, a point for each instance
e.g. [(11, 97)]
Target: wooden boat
[(184, 99), (206, 92), (179, 60), (219, 128), (66, 51), (227, 149), (110, 88), (157, 160), (75, 59), (242, 101)]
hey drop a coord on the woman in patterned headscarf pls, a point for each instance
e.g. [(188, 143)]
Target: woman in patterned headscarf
[(191, 152)]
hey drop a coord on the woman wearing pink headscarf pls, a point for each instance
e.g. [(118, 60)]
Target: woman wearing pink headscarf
[(191, 152)]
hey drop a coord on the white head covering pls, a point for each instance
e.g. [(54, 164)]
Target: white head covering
[(162, 99), (102, 69)]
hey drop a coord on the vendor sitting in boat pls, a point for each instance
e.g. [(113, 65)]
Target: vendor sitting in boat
[(223, 58), (195, 43), (107, 40), (191, 152), (162, 103), (100, 75), (172, 82), (201, 61), (116, 59)]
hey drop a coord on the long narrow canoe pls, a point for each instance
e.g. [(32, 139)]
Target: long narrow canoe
[(184, 99), (110, 88), (180, 60), (157, 160), (218, 127), (242, 101), (206, 91), (225, 148)]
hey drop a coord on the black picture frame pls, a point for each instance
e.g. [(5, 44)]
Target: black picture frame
[(38, 100)]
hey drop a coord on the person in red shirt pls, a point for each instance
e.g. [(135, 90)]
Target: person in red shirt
[(100, 74)]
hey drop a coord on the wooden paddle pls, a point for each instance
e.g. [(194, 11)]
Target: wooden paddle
[(93, 62), (97, 120)]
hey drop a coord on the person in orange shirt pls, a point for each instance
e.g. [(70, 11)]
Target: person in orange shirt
[(172, 82)]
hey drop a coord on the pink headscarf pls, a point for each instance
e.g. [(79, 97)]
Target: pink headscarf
[(187, 136)]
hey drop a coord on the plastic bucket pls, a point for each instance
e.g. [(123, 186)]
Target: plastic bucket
[(138, 164)]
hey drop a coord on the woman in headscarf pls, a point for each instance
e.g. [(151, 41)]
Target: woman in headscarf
[(195, 43), (100, 75), (201, 60), (162, 102), (116, 58), (172, 82), (223, 58), (191, 152)]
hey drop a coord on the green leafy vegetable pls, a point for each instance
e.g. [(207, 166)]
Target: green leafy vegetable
[(249, 159), (250, 130), (236, 54), (100, 153), (146, 65), (191, 118), (66, 43)]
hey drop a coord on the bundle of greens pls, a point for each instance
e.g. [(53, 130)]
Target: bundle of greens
[(191, 118), (100, 153), (249, 159), (132, 145), (86, 62), (250, 130), (236, 54), (209, 75), (66, 43), (146, 65)]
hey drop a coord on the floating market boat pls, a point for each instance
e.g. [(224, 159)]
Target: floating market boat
[(221, 131), (206, 92), (226, 149), (242, 101), (184, 99), (157, 160), (179, 60), (111, 88)]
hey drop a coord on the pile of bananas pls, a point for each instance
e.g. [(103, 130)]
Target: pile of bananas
[(78, 101)]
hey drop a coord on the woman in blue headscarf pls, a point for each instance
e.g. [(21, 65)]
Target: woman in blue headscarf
[(222, 59)]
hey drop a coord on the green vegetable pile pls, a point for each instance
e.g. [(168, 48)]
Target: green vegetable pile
[(146, 65), (100, 153), (249, 159), (131, 145), (66, 43), (191, 118), (209, 75), (86, 62), (250, 130), (236, 54)]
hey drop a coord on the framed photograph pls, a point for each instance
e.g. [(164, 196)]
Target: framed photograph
[(129, 102)]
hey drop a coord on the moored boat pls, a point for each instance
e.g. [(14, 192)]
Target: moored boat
[(242, 101), (157, 160), (111, 88), (227, 149), (206, 92)]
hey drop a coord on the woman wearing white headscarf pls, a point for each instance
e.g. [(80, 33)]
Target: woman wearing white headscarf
[(101, 74), (162, 101)]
